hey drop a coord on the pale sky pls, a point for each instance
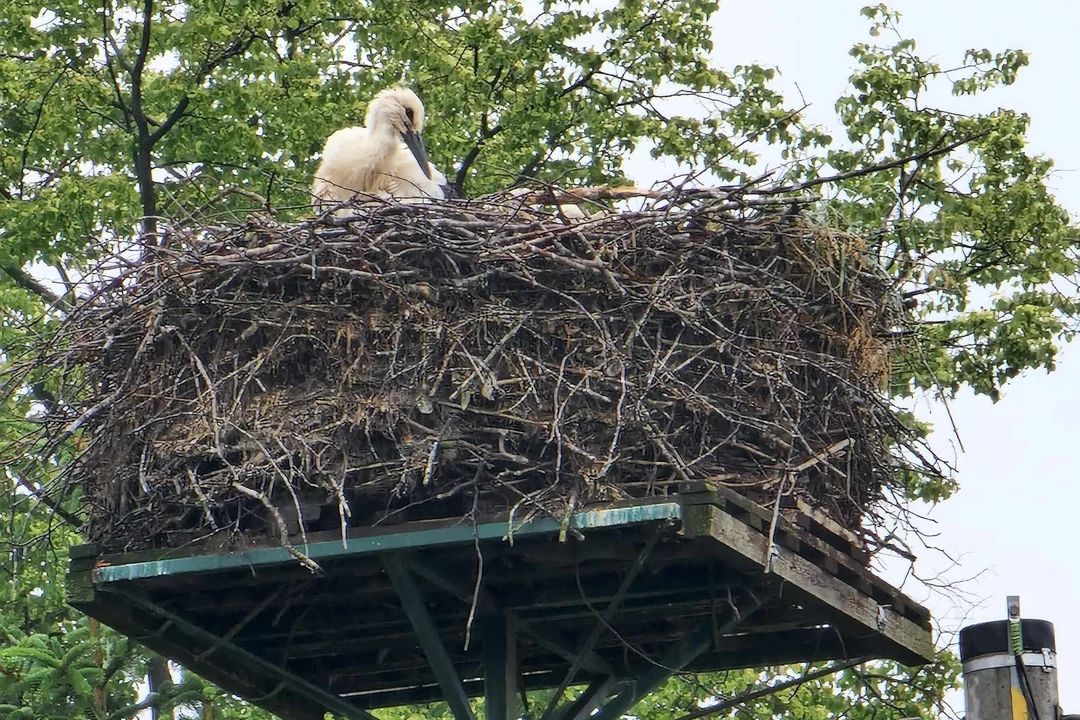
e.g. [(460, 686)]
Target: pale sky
[(1012, 519)]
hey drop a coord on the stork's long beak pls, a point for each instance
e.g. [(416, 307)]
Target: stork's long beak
[(416, 147)]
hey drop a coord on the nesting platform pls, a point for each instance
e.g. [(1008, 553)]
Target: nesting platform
[(634, 592)]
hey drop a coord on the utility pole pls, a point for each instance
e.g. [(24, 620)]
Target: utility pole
[(1010, 669)]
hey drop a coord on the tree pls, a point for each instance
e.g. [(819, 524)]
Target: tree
[(115, 117)]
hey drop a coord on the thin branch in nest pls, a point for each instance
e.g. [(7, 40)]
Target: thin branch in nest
[(479, 563), (197, 487), (283, 534)]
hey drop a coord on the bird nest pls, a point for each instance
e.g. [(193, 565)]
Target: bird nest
[(458, 359)]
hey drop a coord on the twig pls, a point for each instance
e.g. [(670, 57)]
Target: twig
[(879, 167), (479, 568), (283, 534)]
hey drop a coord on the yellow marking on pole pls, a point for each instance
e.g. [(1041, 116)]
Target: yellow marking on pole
[(1019, 704)]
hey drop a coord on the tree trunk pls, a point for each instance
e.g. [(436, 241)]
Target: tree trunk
[(157, 672)]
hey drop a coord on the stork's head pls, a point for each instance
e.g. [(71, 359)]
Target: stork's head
[(398, 110)]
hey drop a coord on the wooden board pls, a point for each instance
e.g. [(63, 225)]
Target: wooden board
[(810, 546), (908, 642)]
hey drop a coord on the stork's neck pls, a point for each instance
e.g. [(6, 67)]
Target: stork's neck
[(386, 135)]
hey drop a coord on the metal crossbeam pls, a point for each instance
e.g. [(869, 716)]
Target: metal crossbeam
[(498, 645), (603, 622), (327, 699), (547, 638), (693, 644), (597, 692), (428, 635), (698, 641)]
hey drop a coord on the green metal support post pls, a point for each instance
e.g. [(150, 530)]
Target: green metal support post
[(598, 691), (437, 656), (697, 641), (499, 649)]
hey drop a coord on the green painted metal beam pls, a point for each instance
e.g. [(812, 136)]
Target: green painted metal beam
[(546, 637), (428, 635), (693, 644), (696, 642), (603, 623), (498, 646), (328, 700), (405, 540), (585, 703)]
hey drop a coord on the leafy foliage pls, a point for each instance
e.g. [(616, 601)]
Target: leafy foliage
[(974, 234), (117, 113)]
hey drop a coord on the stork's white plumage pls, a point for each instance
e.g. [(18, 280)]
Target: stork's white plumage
[(386, 158), (571, 212), (408, 181)]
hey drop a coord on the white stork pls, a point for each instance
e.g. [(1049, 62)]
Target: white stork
[(386, 158)]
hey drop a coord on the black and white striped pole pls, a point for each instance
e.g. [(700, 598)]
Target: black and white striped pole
[(1010, 669)]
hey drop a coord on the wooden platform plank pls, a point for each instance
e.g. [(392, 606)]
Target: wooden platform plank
[(909, 643), (819, 552)]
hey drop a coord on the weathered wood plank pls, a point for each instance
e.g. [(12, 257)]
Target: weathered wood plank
[(83, 551), (819, 552), (910, 643), (808, 518), (830, 525)]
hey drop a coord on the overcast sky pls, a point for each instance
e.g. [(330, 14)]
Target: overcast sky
[(1012, 525)]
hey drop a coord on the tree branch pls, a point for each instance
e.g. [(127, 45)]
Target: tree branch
[(107, 40), (765, 691), (529, 171), (144, 145), (470, 158), (485, 134), (27, 282), (871, 169), (130, 711), (238, 47), (144, 40), (174, 117), (34, 128), (579, 83), (48, 502)]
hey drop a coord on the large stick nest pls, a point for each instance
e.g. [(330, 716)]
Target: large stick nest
[(440, 360)]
